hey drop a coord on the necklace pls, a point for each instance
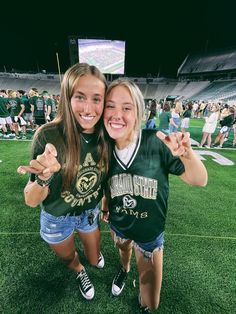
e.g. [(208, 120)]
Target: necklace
[(86, 140)]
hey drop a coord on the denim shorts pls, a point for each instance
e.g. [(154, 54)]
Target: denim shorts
[(147, 248), (55, 230), (224, 130)]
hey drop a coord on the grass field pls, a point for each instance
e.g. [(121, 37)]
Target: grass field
[(199, 256)]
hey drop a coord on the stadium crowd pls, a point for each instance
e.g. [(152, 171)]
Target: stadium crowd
[(20, 110), (22, 113), (175, 116)]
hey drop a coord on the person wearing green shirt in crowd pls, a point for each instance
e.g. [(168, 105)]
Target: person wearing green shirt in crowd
[(164, 119), (4, 115), (186, 117), (50, 106), (27, 114), (16, 112), (37, 104)]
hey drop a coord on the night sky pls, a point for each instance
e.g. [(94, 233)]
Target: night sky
[(157, 40)]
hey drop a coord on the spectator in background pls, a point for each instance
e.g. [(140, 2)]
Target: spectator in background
[(164, 119), (234, 128), (210, 126), (56, 98), (37, 107), (16, 112), (158, 105), (179, 106), (150, 124), (175, 119), (206, 110), (195, 109), (202, 107), (4, 114), (186, 117), (50, 106), (27, 115), (226, 125), (224, 113)]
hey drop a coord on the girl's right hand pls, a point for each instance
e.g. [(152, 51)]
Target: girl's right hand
[(104, 215), (45, 165)]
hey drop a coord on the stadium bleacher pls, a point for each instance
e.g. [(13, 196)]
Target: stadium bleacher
[(26, 81), (206, 76)]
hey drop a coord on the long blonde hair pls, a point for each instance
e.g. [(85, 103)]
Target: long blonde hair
[(70, 129)]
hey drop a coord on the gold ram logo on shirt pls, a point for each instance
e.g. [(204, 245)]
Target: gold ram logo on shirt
[(86, 182)]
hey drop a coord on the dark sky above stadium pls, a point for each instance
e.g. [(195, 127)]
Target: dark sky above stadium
[(158, 35)]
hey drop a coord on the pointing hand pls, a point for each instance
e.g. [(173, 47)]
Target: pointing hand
[(44, 165)]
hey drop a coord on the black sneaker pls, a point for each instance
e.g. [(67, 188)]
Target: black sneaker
[(119, 282), (101, 261), (85, 285), (142, 309)]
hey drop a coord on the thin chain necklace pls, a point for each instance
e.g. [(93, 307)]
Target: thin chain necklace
[(86, 141)]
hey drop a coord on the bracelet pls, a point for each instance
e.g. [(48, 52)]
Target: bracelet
[(104, 211), (41, 182)]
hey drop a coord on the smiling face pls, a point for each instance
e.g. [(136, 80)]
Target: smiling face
[(87, 101), (120, 115)]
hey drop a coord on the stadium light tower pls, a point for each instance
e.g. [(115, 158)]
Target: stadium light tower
[(58, 61), (58, 66)]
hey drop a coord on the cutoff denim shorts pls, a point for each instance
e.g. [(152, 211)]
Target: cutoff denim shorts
[(147, 248), (55, 230)]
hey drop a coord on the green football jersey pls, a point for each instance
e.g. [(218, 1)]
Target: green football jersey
[(139, 190)]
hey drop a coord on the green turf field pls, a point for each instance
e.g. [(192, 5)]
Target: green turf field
[(199, 257)]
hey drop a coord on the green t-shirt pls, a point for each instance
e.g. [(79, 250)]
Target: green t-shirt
[(187, 113), (25, 101), (3, 108), (138, 192), (50, 102), (164, 120), (39, 106), (15, 106), (86, 189)]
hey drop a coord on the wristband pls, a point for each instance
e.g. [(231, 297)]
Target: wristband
[(41, 182), (104, 211)]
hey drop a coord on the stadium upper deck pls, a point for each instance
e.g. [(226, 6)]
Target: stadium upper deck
[(219, 63), (210, 76)]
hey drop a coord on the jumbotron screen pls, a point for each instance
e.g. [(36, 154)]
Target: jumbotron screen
[(107, 55)]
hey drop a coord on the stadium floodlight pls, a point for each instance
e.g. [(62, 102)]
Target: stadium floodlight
[(58, 66)]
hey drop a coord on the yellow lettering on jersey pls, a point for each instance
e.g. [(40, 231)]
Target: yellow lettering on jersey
[(78, 201), (88, 161)]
